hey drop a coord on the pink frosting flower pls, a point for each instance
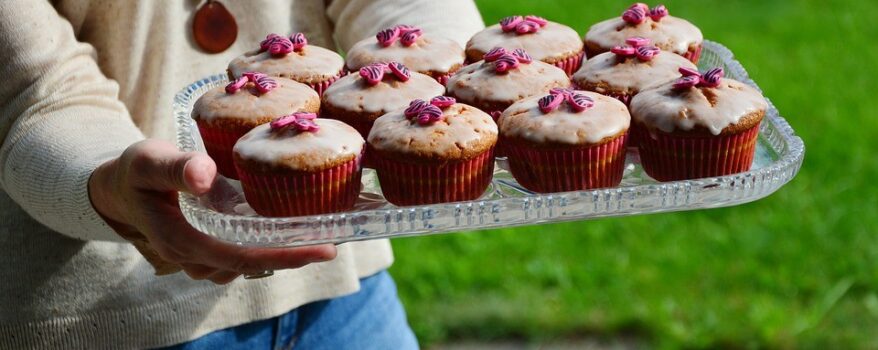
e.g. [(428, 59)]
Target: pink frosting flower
[(637, 47), (263, 83), (637, 13), (504, 61), (406, 34), (577, 101), (692, 78), (300, 120), (426, 113), (522, 25)]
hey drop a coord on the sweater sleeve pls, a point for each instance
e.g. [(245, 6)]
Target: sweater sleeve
[(355, 20), (60, 118)]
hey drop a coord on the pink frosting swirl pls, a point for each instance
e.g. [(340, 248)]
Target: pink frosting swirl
[(426, 113), (578, 102), (410, 37), (373, 73), (504, 61), (406, 34), (637, 13), (522, 25), (236, 85), (522, 56), (263, 83), (300, 120), (415, 107), (400, 71), (692, 78), (299, 41), (658, 12), (637, 47), (494, 54), (443, 101)]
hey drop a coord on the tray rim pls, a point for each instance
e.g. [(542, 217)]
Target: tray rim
[(791, 160)]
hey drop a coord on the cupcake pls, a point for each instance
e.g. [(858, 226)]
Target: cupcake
[(626, 70), (666, 32), (546, 41), (434, 151), (503, 78), (300, 165), (224, 114), (291, 58), (566, 140), (358, 99), (697, 126), (425, 53)]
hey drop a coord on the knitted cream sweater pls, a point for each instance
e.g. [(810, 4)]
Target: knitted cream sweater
[(82, 79)]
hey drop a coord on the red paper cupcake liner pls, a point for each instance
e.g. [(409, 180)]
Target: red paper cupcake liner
[(323, 85), (443, 79), (571, 64), (303, 193), (669, 158), (416, 184), (562, 170), (693, 55), (219, 143)]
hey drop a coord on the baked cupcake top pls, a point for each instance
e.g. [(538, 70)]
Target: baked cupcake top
[(565, 117), (380, 88), (629, 69), (422, 52), (544, 40), (505, 77), (300, 142), (667, 32), (438, 128), (707, 102), (290, 58), (255, 99)]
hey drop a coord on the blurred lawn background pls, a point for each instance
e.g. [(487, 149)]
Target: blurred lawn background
[(797, 269)]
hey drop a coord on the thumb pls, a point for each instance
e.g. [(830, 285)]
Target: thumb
[(159, 166)]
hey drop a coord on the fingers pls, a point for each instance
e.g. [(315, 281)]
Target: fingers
[(158, 166), (223, 277)]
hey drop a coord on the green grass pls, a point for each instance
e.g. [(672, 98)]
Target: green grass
[(797, 269)]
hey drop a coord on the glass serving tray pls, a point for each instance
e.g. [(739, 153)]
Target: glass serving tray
[(224, 213)]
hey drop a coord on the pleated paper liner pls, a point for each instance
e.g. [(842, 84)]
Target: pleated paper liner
[(569, 169), (323, 85), (297, 193), (666, 157), (416, 184), (693, 55), (571, 64), (219, 143)]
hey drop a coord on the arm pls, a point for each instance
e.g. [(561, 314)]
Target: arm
[(73, 159), (358, 19)]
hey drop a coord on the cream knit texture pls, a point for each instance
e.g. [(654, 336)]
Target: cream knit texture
[(80, 80)]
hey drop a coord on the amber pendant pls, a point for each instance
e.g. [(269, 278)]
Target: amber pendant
[(214, 27)]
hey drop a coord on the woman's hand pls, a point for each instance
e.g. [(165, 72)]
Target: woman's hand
[(137, 195)]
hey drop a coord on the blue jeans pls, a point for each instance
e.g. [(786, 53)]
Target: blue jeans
[(372, 318)]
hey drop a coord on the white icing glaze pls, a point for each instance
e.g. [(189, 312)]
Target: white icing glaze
[(352, 93), (429, 53), (551, 43), (311, 65), (524, 120), (479, 81), (666, 109), (248, 104), (670, 34), (630, 75), (464, 127), (300, 150)]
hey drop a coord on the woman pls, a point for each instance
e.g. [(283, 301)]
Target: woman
[(86, 170)]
